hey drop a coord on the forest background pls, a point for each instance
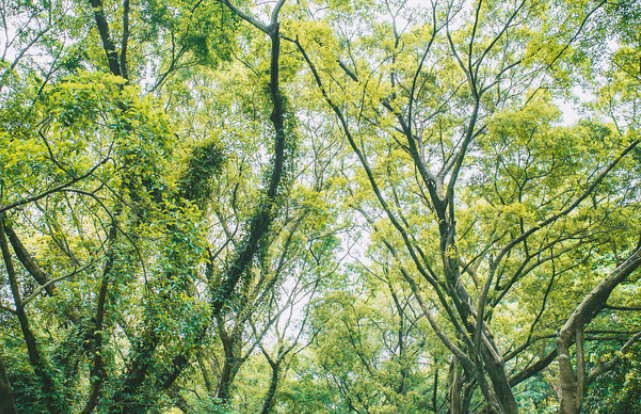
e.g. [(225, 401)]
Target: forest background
[(332, 206)]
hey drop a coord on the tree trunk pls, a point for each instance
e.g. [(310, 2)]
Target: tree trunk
[(500, 384), (269, 399), (568, 379), (455, 383), (500, 397), (230, 369), (53, 398), (6, 395), (571, 382)]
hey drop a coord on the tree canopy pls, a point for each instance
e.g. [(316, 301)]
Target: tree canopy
[(320, 206)]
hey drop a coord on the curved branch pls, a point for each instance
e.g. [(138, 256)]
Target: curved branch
[(46, 193)]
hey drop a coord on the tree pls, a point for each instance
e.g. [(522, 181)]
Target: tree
[(175, 176), (417, 103), (139, 205)]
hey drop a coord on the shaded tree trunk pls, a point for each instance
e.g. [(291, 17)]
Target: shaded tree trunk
[(269, 399), (7, 405), (501, 386), (231, 366), (54, 401)]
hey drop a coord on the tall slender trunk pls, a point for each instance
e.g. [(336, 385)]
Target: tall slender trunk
[(53, 397), (455, 385)]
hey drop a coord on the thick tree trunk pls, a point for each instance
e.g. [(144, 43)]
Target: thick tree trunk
[(572, 383), (6, 395), (496, 371), (500, 397), (229, 371), (493, 364), (568, 382), (269, 398)]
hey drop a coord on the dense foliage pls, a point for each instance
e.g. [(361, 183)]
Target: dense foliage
[(322, 206)]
